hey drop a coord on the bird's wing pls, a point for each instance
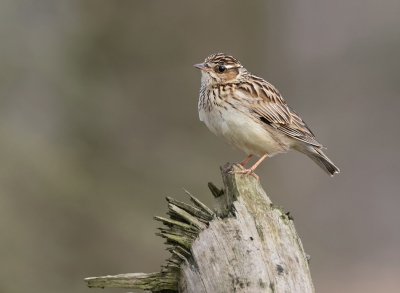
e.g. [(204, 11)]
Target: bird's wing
[(266, 104)]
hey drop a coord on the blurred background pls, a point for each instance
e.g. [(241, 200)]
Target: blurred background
[(99, 123)]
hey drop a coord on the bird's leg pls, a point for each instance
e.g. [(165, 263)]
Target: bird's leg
[(241, 164), (251, 170)]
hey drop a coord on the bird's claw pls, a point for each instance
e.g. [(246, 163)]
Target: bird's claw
[(227, 169), (240, 166), (245, 172)]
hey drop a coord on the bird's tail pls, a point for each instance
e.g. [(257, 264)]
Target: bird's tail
[(315, 154)]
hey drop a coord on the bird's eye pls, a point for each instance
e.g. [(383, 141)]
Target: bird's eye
[(221, 68)]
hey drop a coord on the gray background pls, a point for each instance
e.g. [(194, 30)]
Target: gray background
[(99, 123)]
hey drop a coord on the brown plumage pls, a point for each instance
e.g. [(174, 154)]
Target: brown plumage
[(252, 115)]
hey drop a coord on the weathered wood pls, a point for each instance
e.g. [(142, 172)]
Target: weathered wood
[(246, 245)]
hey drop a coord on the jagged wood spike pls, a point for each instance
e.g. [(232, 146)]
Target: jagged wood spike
[(199, 203), (173, 260), (184, 241), (179, 231), (176, 217), (182, 251), (203, 220), (188, 217), (184, 226), (154, 282), (172, 266), (190, 209), (214, 190), (180, 256)]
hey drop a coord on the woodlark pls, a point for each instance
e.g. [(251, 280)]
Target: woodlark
[(251, 115)]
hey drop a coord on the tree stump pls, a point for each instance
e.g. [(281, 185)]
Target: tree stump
[(246, 244)]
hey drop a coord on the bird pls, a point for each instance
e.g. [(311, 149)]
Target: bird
[(252, 116)]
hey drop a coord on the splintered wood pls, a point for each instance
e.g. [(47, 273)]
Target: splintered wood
[(245, 245)]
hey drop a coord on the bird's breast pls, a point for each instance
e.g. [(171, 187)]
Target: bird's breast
[(227, 117), (212, 113)]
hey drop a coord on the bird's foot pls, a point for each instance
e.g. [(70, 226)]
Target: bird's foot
[(245, 172), (227, 169), (240, 165)]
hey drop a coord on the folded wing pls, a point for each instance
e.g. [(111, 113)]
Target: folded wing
[(268, 106)]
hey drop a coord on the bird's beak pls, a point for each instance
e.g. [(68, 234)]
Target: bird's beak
[(203, 67)]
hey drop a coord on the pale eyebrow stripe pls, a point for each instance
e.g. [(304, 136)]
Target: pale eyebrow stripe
[(232, 66)]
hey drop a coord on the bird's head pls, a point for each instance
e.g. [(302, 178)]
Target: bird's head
[(219, 69)]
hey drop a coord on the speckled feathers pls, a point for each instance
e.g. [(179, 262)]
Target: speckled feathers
[(251, 114)]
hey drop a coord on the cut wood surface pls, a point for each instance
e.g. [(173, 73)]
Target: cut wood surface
[(246, 244)]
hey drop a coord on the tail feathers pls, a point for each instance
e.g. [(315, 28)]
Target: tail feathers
[(315, 154)]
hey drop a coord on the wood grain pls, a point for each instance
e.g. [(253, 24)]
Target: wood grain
[(246, 245)]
